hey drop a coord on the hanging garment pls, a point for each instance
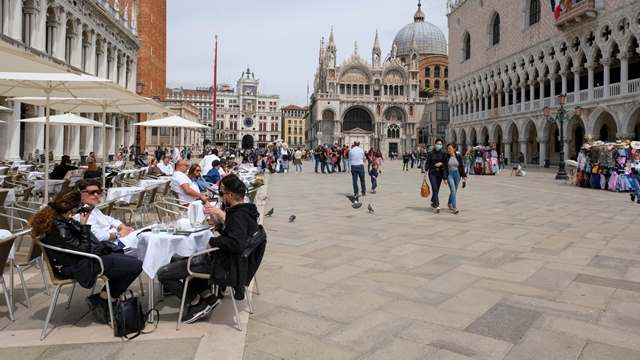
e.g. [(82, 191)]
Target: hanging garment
[(613, 182)]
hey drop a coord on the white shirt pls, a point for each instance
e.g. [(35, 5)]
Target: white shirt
[(175, 155), (298, 155), (356, 156), (101, 225), (167, 169), (205, 163), (177, 180)]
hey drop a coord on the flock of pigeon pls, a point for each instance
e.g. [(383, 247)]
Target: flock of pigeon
[(355, 203)]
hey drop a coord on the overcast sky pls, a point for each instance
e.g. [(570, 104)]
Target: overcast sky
[(279, 39)]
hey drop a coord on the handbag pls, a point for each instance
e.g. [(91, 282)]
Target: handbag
[(129, 317), (425, 190)]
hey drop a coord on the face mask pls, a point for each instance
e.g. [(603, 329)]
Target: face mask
[(438, 147)]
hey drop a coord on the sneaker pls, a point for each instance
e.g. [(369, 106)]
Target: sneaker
[(99, 308), (433, 206), (437, 209), (450, 208), (455, 211), (197, 312), (372, 192)]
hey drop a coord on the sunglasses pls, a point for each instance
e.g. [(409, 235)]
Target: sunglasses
[(93, 192)]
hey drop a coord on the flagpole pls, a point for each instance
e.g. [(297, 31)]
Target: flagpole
[(215, 93)]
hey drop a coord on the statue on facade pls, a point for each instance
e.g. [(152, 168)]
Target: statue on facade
[(394, 51)]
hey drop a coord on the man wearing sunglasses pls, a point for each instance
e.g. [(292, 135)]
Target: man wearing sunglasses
[(104, 227)]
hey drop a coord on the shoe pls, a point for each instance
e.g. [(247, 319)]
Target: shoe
[(99, 308), (372, 192), (433, 206), (197, 312), (455, 211), (437, 209), (632, 196), (238, 294), (450, 208)]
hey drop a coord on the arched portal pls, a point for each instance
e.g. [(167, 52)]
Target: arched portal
[(474, 138), (633, 127), (499, 138), (532, 153), (484, 136), (357, 118), (247, 142), (577, 132), (605, 128), (512, 154)]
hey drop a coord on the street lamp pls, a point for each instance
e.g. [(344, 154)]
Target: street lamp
[(560, 118), (138, 130)]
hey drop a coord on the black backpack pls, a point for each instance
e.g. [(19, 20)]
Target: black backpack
[(129, 317)]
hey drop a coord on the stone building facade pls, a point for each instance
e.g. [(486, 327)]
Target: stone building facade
[(377, 103), (245, 117), (500, 84), (293, 125), (97, 37)]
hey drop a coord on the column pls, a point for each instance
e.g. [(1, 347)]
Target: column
[(485, 99), (522, 97), (60, 35), (76, 52), (15, 21), (39, 38), (507, 151), (552, 82), (99, 138), (91, 55), (122, 125), (523, 149), (74, 134), (111, 137), (500, 99), (576, 84), (624, 73), (566, 149), (56, 141), (514, 95), (89, 138), (591, 80), (542, 89), (563, 76), (543, 151), (10, 135), (607, 76), (532, 93)]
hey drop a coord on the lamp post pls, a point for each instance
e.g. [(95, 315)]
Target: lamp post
[(560, 118), (139, 129)]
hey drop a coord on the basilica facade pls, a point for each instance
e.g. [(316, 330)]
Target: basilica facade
[(381, 103)]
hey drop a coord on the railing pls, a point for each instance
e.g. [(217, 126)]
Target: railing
[(547, 102), (571, 98), (574, 13), (614, 90), (584, 95), (634, 86), (598, 93), (527, 106), (536, 104)]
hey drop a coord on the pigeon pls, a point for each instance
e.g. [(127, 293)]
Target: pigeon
[(352, 198), (292, 218), (371, 211), (269, 213)]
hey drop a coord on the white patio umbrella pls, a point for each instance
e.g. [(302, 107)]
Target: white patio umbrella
[(64, 119), (17, 58), (2, 108), (50, 85), (125, 102), (173, 122)]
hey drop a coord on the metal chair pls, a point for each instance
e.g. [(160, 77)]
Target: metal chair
[(33, 259), (5, 249), (59, 282), (133, 208)]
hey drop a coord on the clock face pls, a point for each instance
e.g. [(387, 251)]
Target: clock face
[(248, 122), (250, 90)]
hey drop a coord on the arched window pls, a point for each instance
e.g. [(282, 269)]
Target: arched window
[(393, 132), (436, 84), (28, 21), (427, 83), (52, 24), (86, 46), (446, 72), (466, 47), (436, 71), (446, 85), (534, 12), (495, 30), (427, 72), (68, 44)]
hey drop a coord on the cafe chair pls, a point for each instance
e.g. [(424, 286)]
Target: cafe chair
[(195, 275), (58, 281), (5, 248)]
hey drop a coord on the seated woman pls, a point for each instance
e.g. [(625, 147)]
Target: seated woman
[(53, 225), (92, 171), (195, 174), (60, 170), (120, 162), (213, 176), (154, 170)]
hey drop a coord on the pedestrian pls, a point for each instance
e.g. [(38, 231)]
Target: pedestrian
[(373, 173), (455, 172), (297, 160), (436, 169), (316, 157), (356, 159), (405, 161), (468, 159), (345, 158)]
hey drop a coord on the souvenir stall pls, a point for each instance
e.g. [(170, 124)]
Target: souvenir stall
[(485, 161), (609, 166)]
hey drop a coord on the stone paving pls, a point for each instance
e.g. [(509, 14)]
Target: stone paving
[(530, 269)]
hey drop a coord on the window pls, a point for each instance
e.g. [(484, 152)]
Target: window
[(436, 71), (427, 72), (495, 30), (534, 12), (436, 84), (466, 48), (68, 44), (446, 72), (442, 112), (51, 30), (427, 83)]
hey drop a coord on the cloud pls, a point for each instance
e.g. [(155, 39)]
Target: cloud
[(278, 39)]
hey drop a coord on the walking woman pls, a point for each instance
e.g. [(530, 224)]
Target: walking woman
[(436, 166), (455, 172)]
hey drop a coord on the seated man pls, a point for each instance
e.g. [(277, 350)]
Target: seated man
[(166, 166), (104, 227), (60, 170), (187, 190), (206, 162), (213, 176), (239, 222)]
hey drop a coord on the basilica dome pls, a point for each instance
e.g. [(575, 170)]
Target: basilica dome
[(428, 37)]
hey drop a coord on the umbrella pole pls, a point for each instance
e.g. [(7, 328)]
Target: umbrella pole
[(104, 146), (46, 145)]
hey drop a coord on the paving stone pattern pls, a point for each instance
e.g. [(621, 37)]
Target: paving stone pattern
[(530, 269)]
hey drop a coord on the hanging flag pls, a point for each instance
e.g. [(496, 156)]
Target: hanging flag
[(558, 6)]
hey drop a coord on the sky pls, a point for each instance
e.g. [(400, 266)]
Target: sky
[(279, 39)]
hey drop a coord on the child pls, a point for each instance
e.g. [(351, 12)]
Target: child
[(373, 172)]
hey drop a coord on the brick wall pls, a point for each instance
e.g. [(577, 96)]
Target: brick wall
[(152, 57)]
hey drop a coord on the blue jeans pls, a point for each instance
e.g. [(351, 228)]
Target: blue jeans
[(453, 180), (345, 164), (317, 163), (357, 172), (299, 166)]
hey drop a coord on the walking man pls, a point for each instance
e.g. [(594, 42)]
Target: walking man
[(356, 158)]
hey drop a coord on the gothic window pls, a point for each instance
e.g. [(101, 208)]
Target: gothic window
[(393, 132), (534, 12), (436, 71), (51, 31), (495, 30), (466, 49), (427, 72), (68, 44), (86, 46), (427, 83)]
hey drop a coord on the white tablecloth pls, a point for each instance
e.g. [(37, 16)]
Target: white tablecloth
[(16, 163), (154, 183), (123, 194), (11, 197), (54, 185), (156, 250), (35, 175), (2, 177), (2, 168), (5, 234), (23, 168), (130, 172)]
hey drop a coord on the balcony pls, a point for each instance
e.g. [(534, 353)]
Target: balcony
[(577, 11)]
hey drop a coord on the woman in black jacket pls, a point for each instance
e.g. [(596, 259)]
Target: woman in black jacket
[(454, 169), (436, 165), (53, 225)]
